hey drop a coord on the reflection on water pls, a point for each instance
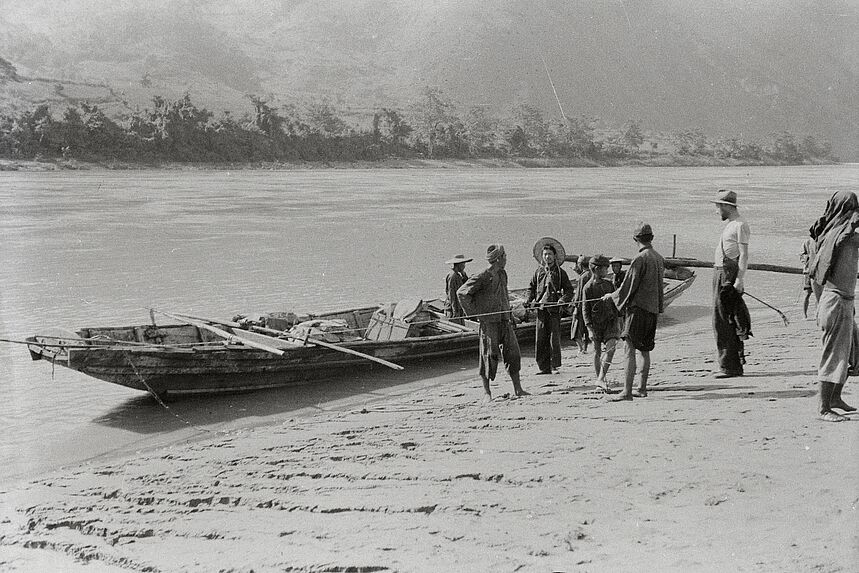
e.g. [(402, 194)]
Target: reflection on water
[(97, 248)]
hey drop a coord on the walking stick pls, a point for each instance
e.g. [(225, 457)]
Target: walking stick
[(780, 313)]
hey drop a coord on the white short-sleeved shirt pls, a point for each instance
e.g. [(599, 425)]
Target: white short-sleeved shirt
[(734, 234)]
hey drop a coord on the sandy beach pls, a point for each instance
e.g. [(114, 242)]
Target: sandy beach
[(702, 475)]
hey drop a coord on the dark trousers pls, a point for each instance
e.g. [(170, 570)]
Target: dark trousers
[(548, 344), (729, 347)]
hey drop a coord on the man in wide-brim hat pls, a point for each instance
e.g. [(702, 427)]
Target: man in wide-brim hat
[(455, 279), (617, 272), (731, 261), (550, 290)]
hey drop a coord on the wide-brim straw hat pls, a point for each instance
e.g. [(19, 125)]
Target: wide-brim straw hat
[(617, 260), (457, 259), (725, 197), (559, 249)]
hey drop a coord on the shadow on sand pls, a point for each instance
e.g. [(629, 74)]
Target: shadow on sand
[(683, 314), (144, 415)]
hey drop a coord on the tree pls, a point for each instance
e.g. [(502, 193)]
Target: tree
[(632, 136), (266, 119), (389, 132), (434, 117), (784, 148), (576, 137), (323, 118), (528, 136), (481, 131), (690, 141)]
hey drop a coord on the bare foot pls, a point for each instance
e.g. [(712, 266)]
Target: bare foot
[(640, 393), (521, 392), (841, 405), (621, 398), (487, 398), (830, 416)]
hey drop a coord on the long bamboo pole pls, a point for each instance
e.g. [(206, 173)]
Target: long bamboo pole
[(220, 332), (262, 331), (671, 262)]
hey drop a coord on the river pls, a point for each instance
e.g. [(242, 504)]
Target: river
[(94, 248)]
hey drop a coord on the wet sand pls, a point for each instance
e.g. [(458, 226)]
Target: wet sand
[(702, 475)]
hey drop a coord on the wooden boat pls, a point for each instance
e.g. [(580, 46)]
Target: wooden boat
[(206, 356)]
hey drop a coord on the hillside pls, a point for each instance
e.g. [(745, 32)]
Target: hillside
[(732, 67)]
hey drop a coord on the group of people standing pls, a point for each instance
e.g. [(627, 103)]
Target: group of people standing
[(628, 311), (626, 306)]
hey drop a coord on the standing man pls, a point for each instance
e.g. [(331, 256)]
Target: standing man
[(455, 279), (485, 296), (617, 273), (550, 289), (578, 330), (806, 257), (834, 267), (730, 264), (640, 300)]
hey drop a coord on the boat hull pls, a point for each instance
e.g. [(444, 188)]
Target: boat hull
[(209, 365)]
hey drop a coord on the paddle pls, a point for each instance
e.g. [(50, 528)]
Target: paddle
[(220, 332), (262, 330)]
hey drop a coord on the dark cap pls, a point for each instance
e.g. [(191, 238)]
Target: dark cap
[(643, 230), (598, 261)]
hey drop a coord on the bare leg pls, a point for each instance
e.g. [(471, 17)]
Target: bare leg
[(826, 413), (645, 373), (517, 386), (610, 347), (629, 374), (486, 391), (597, 358), (836, 402), (805, 304)]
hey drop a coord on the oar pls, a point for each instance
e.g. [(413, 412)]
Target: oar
[(220, 332), (263, 330)]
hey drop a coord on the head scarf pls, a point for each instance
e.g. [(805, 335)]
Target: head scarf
[(838, 223), (494, 252)]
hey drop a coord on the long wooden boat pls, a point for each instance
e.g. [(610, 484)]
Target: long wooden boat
[(178, 359)]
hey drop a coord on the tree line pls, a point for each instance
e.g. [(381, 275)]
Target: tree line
[(432, 128)]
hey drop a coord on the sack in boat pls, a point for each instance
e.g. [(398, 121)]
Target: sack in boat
[(517, 307), (273, 320), (326, 330)]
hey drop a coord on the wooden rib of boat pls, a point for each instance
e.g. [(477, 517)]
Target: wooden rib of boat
[(177, 359)]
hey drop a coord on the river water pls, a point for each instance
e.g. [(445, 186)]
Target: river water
[(96, 248)]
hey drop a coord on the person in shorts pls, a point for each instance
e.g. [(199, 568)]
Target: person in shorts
[(640, 300)]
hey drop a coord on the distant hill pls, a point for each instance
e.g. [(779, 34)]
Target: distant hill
[(731, 67)]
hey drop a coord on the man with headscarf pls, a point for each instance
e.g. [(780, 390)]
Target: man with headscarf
[(485, 297), (640, 299), (731, 262), (550, 289), (834, 268)]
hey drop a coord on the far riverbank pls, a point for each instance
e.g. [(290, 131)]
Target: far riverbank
[(60, 164)]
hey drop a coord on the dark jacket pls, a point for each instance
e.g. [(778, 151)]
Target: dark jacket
[(735, 310), (549, 287), (486, 293)]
